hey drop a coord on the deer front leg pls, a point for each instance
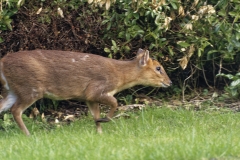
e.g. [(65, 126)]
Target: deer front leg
[(95, 93), (110, 101)]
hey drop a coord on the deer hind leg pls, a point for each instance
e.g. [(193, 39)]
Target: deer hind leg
[(23, 102), (95, 111), (17, 109)]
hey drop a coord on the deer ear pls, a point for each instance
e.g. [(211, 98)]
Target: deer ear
[(144, 58), (140, 50)]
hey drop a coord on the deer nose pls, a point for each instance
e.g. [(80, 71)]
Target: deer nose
[(170, 83)]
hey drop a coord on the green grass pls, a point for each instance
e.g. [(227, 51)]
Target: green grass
[(156, 133)]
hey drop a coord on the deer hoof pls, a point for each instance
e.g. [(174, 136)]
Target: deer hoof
[(103, 120)]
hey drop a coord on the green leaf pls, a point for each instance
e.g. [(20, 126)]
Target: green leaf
[(236, 18), (158, 20), (235, 83), (1, 40), (170, 51), (222, 12), (212, 51), (184, 44), (110, 55), (136, 15), (217, 28), (114, 43), (127, 49), (229, 76), (105, 21), (121, 34), (173, 5), (127, 36), (109, 26), (163, 39), (233, 13), (199, 52), (238, 74), (234, 92), (154, 35), (230, 47), (107, 50), (6, 117), (147, 13), (7, 22), (152, 45), (152, 14)]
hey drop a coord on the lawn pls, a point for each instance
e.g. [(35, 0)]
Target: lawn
[(153, 133)]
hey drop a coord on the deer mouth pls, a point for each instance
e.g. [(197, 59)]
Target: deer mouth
[(165, 85)]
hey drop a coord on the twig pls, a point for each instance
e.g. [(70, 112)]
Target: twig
[(139, 89), (198, 94), (151, 91), (72, 27), (197, 67), (184, 87), (214, 78), (205, 77), (220, 67)]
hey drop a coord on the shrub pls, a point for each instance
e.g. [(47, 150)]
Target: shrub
[(194, 40), (234, 88)]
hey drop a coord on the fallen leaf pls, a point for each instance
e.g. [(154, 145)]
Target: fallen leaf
[(108, 3), (34, 113), (60, 12), (69, 117), (183, 62), (56, 120), (122, 115), (43, 117), (39, 10)]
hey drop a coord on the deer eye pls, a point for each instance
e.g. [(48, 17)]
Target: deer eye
[(158, 69)]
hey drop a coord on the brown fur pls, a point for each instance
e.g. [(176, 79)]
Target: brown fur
[(60, 75)]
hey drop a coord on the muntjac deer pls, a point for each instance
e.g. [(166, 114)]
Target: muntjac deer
[(28, 76)]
